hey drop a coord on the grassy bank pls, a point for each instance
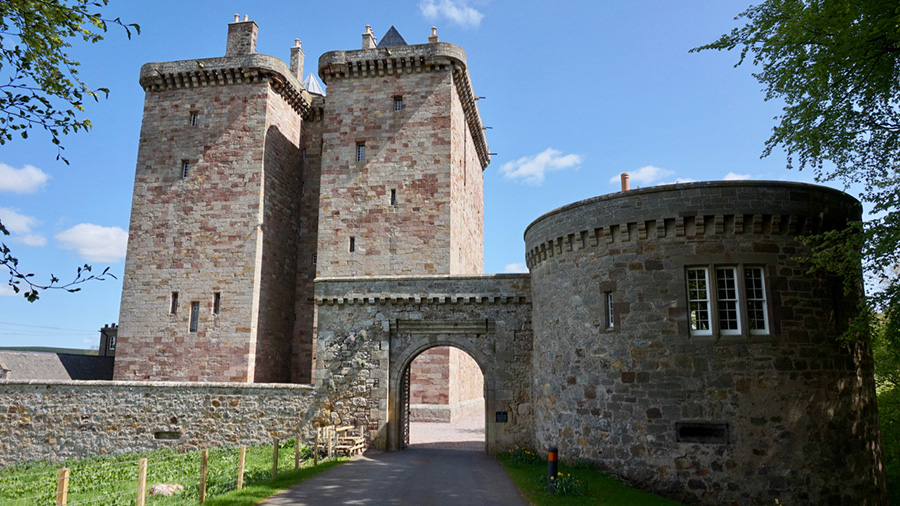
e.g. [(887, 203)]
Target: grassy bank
[(530, 476)]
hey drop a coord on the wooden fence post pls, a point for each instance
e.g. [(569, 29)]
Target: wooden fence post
[(297, 452), (275, 459), (142, 482), (331, 435), (316, 448), (62, 486), (240, 477), (204, 456)]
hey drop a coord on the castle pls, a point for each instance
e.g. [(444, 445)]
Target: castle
[(668, 334)]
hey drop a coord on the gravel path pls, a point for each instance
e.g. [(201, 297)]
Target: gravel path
[(464, 434)]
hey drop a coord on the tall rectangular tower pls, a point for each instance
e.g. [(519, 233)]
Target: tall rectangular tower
[(402, 160), (211, 271)]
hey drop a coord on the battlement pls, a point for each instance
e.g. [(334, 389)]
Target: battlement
[(412, 59)]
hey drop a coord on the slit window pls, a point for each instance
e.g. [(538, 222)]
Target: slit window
[(398, 103), (173, 308), (185, 169), (217, 302), (352, 244), (195, 118), (360, 151), (195, 316), (610, 314), (393, 197)]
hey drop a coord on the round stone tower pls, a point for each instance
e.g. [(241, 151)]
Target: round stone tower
[(681, 344)]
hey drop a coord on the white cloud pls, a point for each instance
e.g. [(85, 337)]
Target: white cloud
[(514, 268), (28, 179), (7, 291), (645, 175), (20, 226), (531, 169), (731, 176), (454, 10), (95, 243)]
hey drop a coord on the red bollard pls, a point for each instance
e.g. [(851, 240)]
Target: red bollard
[(552, 468)]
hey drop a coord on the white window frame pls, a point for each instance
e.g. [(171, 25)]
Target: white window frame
[(699, 298), (715, 299), (610, 312)]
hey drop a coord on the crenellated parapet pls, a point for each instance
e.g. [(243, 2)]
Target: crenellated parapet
[(412, 59), (689, 210), (227, 71)]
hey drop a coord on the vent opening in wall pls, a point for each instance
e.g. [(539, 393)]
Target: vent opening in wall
[(167, 435), (701, 432)]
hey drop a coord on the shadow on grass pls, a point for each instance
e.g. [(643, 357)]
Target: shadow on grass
[(599, 488), (253, 495)]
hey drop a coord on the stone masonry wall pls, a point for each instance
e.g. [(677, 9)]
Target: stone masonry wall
[(195, 236), (303, 352), (278, 267), (446, 384), (466, 384), (430, 377), (467, 195), (371, 329), (719, 419), (59, 420), (407, 151)]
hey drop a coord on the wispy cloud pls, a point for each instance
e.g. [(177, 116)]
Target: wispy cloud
[(531, 169), (645, 175), (28, 179), (514, 268), (20, 226), (95, 243), (731, 176), (456, 11), (7, 291)]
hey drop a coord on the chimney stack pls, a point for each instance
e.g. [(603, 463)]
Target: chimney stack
[(368, 38), (433, 38), (297, 60), (625, 186), (241, 37)]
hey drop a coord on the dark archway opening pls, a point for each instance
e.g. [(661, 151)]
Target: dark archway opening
[(443, 398)]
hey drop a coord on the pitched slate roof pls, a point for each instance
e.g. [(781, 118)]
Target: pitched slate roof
[(392, 38), (35, 365)]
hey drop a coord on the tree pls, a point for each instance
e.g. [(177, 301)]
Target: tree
[(836, 66), (40, 87)]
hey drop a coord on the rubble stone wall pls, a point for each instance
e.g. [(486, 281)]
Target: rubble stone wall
[(67, 419), (787, 414)]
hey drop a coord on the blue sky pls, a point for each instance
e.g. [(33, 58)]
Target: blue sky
[(576, 93)]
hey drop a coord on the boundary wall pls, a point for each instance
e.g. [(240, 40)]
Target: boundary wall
[(56, 420)]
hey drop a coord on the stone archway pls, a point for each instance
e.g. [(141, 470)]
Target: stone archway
[(404, 360)]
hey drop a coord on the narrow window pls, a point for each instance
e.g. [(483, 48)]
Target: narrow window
[(174, 307), (360, 151), (303, 155), (302, 187), (393, 197), (217, 302), (314, 258), (185, 169), (755, 291), (398, 103), (352, 244), (610, 315), (195, 315), (698, 301), (727, 300), (195, 117)]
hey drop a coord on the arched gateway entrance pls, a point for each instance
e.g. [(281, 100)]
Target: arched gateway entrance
[(370, 330)]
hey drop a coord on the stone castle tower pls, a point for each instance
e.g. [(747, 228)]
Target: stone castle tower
[(248, 187)]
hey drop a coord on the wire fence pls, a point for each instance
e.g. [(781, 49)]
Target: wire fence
[(162, 477)]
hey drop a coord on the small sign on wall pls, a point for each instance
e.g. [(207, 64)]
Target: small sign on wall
[(502, 417)]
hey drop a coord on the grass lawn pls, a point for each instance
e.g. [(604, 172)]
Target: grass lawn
[(530, 479), (250, 496)]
